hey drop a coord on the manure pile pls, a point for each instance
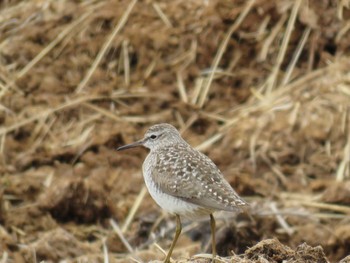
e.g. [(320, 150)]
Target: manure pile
[(262, 87)]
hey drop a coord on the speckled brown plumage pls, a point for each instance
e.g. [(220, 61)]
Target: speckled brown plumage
[(185, 173), (182, 180)]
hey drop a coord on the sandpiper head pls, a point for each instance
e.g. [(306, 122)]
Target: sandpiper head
[(157, 136)]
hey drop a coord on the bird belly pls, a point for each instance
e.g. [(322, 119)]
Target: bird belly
[(175, 205)]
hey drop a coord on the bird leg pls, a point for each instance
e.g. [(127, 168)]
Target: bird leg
[(213, 242), (177, 234)]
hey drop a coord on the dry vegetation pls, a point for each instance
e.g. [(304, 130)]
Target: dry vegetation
[(262, 87)]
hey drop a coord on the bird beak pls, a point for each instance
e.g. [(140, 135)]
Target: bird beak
[(131, 145)]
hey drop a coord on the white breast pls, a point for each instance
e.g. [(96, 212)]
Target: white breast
[(168, 202)]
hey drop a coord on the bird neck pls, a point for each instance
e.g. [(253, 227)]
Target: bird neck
[(170, 145)]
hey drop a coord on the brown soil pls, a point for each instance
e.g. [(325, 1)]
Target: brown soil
[(262, 87)]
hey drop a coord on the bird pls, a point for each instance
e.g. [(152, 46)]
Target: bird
[(184, 181)]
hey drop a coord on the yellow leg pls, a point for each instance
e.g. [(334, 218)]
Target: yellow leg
[(213, 242), (177, 234)]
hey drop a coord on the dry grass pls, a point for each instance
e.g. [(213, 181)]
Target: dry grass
[(262, 87)]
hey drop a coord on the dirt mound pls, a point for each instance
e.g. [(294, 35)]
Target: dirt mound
[(273, 251)]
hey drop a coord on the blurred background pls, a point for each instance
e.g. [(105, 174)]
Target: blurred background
[(262, 87)]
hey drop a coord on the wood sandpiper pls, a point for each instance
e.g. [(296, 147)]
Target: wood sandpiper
[(182, 180)]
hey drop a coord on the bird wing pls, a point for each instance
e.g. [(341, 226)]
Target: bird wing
[(190, 175)]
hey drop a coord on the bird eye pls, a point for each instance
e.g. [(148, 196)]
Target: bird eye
[(153, 136)]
